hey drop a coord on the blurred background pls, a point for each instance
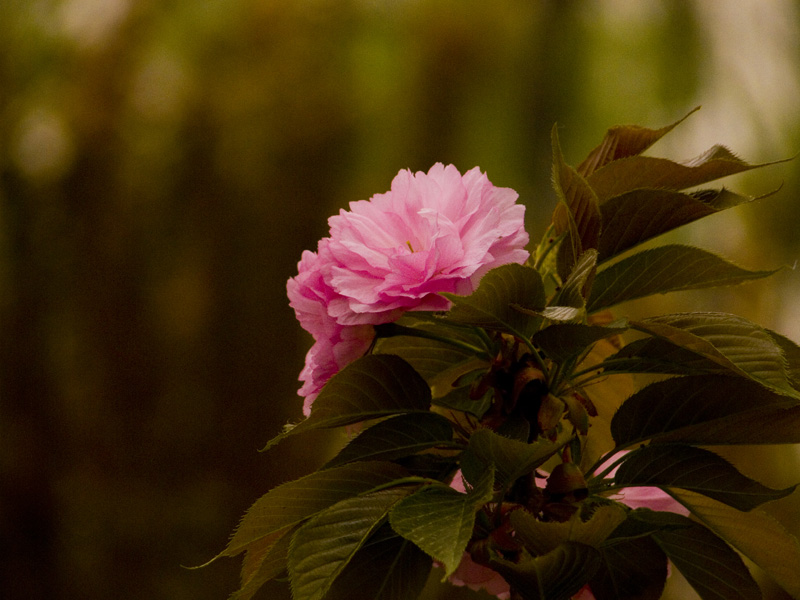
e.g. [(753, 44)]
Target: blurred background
[(164, 164)]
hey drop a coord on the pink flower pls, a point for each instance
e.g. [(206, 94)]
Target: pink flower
[(329, 355), (335, 345), (432, 232)]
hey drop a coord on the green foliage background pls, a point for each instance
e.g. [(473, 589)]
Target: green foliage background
[(163, 165)]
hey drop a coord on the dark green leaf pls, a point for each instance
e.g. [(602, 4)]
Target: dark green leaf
[(448, 369), (791, 353), (440, 519), (432, 358), (564, 341), (643, 522), (323, 546), (376, 385), (695, 469), (396, 437), (429, 466), (710, 566), (541, 537), (642, 214), (622, 141), (562, 313), (295, 501), (573, 292), (577, 212), (386, 567), (702, 409), (730, 341), (460, 399), (669, 268), (656, 355), (511, 458), (264, 560), (557, 575), (638, 172), (771, 425), (755, 534), (633, 569), (490, 306)]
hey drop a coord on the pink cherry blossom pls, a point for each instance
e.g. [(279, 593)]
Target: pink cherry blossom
[(432, 232), (335, 345)]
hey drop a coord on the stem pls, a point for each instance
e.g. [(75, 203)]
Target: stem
[(555, 380), (485, 338), (583, 382)]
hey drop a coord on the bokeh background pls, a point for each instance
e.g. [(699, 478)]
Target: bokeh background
[(164, 164)]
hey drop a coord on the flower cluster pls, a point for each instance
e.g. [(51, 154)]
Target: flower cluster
[(432, 232), (504, 435)]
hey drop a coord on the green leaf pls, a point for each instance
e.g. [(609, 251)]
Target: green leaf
[(642, 214), (323, 546), (558, 313), (695, 469), (440, 519), (295, 501), (755, 534), (638, 172), (623, 141), (264, 560), (564, 341), (541, 537), (453, 378), (461, 399), (791, 353), (631, 569), (446, 368), (656, 355), (557, 575), (512, 459), (429, 466), (730, 341), (669, 268), (706, 409), (396, 437), (376, 385), (711, 567), (772, 425), (577, 212), (386, 567), (490, 306), (577, 284), (432, 358), (643, 522)]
